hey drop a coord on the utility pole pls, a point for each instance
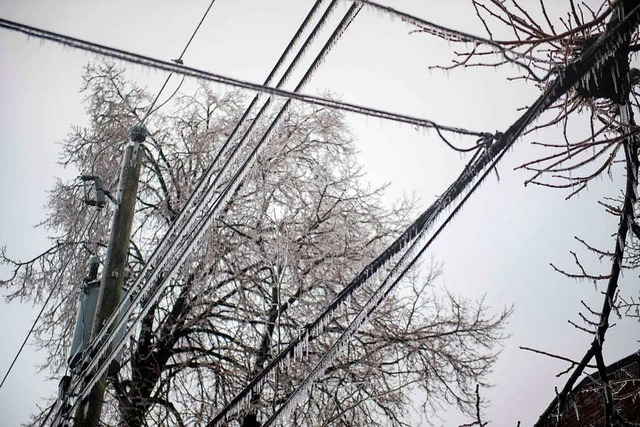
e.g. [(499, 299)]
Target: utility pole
[(113, 274)]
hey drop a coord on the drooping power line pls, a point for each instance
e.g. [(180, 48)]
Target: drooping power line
[(230, 81), (566, 78)]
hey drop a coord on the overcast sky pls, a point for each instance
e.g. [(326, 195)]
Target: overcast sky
[(500, 245)]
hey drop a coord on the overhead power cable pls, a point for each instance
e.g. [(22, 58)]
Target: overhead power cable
[(564, 81), (178, 60), (230, 81), (452, 35), (320, 57), (54, 288)]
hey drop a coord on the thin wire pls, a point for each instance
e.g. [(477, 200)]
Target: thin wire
[(177, 61), (169, 98), (225, 80), (195, 31), (56, 283)]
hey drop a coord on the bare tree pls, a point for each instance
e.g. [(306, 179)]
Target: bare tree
[(300, 226), (598, 135)]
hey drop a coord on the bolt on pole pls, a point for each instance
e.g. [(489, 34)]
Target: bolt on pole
[(113, 273)]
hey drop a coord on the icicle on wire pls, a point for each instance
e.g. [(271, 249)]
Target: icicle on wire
[(189, 239), (168, 66), (565, 79), (452, 35), (189, 212), (387, 286), (208, 218)]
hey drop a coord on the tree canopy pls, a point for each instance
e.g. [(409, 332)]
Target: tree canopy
[(301, 224)]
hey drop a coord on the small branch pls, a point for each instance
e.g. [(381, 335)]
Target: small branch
[(554, 356)]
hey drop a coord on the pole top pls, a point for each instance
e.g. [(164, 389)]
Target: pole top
[(138, 133)]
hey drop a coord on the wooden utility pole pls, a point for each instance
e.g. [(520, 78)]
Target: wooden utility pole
[(88, 415)]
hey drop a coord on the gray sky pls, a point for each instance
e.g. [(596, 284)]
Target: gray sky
[(501, 244)]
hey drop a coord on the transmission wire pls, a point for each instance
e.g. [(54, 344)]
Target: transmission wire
[(566, 78), (54, 287), (202, 224), (230, 81)]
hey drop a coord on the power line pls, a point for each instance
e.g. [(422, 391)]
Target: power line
[(235, 180), (54, 288), (177, 61), (566, 78), (206, 219), (449, 34), (230, 81), (204, 16)]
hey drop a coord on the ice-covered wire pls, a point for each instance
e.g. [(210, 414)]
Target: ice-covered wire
[(450, 34), (158, 64), (186, 237), (178, 60), (54, 288), (564, 81), (210, 215)]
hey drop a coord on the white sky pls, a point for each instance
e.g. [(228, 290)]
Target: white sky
[(501, 244)]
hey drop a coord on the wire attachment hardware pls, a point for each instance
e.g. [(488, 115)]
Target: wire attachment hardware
[(93, 187)]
